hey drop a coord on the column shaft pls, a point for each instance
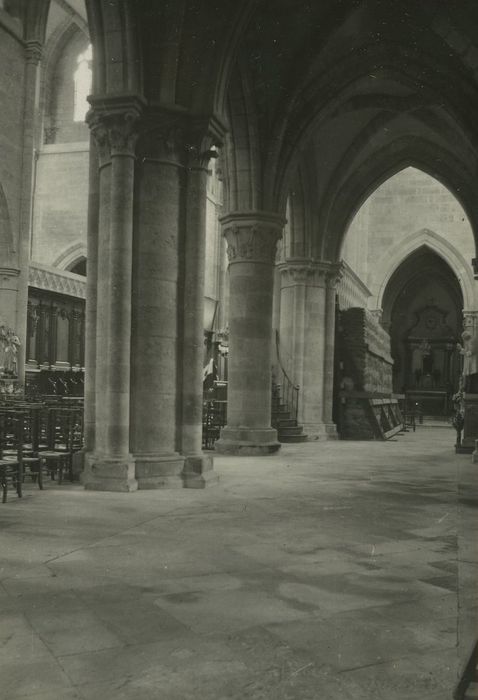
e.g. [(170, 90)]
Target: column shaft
[(33, 54), (307, 332), (155, 408), (252, 240), (102, 308), (119, 322), (91, 299), (114, 125), (329, 359), (197, 466)]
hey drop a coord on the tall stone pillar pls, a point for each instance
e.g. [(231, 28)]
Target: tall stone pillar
[(19, 279), (252, 242), (302, 336), (197, 466), (91, 299), (168, 305), (307, 329), (114, 122), (332, 278)]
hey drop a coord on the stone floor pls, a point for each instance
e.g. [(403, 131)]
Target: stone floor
[(332, 570)]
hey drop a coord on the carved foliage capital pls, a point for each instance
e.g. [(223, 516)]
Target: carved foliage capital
[(302, 272), (310, 272), (115, 130), (251, 241), (180, 139), (334, 275)]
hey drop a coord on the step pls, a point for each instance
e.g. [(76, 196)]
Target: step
[(291, 430), (286, 423), (294, 438), (279, 407), (280, 415)]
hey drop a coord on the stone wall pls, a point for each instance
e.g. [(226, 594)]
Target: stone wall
[(407, 203), (366, 351), (351, 291), (61, 200), (11, 136)]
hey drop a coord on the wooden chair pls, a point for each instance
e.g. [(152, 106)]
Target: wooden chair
[(11, 468)]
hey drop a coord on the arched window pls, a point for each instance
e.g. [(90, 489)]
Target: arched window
[(82, 79), (78, 267)]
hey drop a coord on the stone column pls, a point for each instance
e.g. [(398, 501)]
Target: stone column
[(252, 242), (159, 226), (91, 299), (307, 327), (332, 278), (33, 56), (302, 328), (197, 466), (469, 362), (114, 122), (168, 305)]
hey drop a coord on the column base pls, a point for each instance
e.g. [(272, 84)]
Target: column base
[(108, 473), (248, 442), (474, 455), (320, 431), (78, 463), (328, 431), (159, 471), (198, 472)]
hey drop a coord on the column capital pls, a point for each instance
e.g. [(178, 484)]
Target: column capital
[(179, 138), (115, 122), (33, 52), (335, 273), (252, 236), (310, 272)]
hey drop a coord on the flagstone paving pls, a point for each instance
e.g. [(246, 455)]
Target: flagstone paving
[(330, 570)]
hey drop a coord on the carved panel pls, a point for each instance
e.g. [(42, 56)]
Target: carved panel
[(59, 281)]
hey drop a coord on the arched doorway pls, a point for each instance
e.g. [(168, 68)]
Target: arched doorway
[(422, 309)]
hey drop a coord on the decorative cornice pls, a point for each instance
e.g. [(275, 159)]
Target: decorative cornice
[(252, 237), (59, 281)]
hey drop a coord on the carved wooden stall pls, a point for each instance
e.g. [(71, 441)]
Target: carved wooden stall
[(55, 343)]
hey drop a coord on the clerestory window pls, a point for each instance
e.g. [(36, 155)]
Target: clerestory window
[(82, 80)]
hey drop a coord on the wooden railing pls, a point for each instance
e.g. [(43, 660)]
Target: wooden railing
[(289, 391)]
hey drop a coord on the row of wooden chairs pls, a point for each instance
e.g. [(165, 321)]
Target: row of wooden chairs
[(37, 440)]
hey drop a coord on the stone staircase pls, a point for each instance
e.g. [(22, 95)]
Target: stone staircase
[(288, 429)]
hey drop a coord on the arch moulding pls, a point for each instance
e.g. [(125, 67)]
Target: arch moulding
[(70, 255), (395, 256)]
